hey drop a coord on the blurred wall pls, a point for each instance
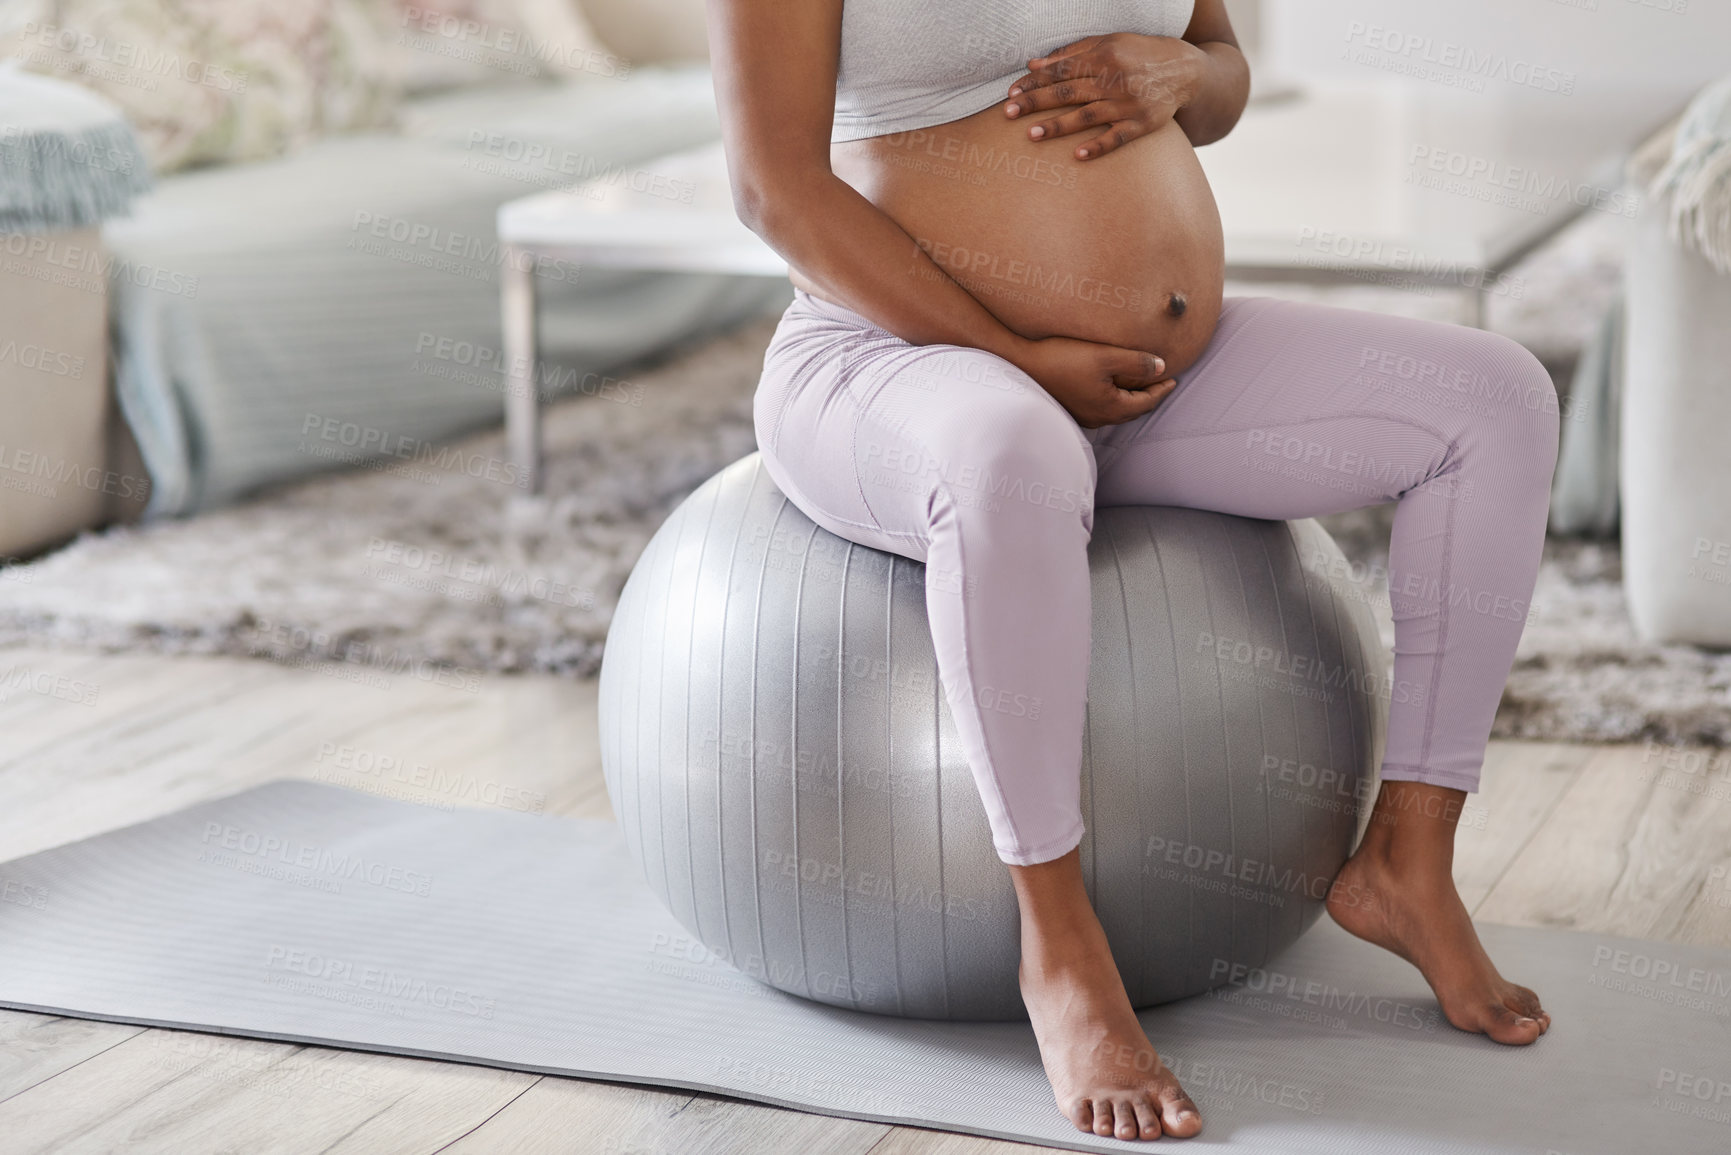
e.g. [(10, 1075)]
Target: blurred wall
[(1669, 47), (650, 31)]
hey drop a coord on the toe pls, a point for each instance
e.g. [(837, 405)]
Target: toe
[(1527, 1003), (1103, 1123), (1081, 1113), (1148, 1117), (1124, 1115), (1511, 1028), (1178, 1115)]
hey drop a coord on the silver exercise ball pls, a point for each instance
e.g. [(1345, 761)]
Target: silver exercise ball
[(782, 761)]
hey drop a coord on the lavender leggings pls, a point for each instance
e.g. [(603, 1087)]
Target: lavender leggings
[(954, 457)]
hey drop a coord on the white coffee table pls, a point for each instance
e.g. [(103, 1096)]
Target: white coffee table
[(1390, 182)]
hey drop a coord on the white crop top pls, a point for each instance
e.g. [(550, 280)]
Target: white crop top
[(909, 64)]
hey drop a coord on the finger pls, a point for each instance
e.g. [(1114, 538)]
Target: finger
[(1119, 134), (1133, 403), (1093, 115), (1064, 68), (1071, 49), (1129, 407), (1060, 95), (1133, 369), (1032, 81)]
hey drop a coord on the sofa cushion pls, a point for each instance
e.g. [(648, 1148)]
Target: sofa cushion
[(215, 80), (271, 308), (499, 122)]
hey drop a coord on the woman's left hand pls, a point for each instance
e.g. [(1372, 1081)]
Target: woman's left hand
[(1129, 83)]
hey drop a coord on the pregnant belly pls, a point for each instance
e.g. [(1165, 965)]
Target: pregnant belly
[(1124, 249)]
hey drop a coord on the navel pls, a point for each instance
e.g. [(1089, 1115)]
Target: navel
[(1176, 304)]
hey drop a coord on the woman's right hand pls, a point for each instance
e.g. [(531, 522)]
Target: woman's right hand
[(1097, 384)]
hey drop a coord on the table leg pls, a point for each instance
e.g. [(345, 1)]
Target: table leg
[(1478, 304), (522, 398)]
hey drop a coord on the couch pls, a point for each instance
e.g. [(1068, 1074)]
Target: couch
[(254, 300), (319, 281)]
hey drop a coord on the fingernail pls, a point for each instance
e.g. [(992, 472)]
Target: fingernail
[(1015, 92), (1037, 131)]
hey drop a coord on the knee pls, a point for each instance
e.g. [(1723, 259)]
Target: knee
[(1524, 419), (1026, 453)]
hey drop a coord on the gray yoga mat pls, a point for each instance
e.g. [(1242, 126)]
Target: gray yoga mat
[(310, 913)]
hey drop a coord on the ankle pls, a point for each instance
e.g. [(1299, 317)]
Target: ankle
[(1412, 829), (1062, 939), (1407, 865)]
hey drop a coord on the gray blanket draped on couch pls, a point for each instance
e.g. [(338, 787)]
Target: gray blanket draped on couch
[(354, 284)]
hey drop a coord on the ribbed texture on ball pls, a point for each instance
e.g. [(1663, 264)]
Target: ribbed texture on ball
[(780, 755)]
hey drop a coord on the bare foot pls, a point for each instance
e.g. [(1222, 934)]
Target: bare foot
[(1398, 891), (1105, 1074)]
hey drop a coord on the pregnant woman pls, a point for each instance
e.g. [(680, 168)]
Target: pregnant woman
[(1008, 312)]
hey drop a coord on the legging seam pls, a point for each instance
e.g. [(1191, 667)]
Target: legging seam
[(799, 376), (1414, 772), (1441, 635), (805, 504), (940, 486), (968, 673), (1072, 837), (1400, 420), (862, 407)]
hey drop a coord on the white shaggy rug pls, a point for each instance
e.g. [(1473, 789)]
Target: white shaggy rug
[(410, 563), (444, 574)]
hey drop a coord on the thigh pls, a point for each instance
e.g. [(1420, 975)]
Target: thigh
[(1297, 410), (863, 430)]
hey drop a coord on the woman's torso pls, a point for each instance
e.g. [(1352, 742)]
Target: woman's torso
[(1096, 249)]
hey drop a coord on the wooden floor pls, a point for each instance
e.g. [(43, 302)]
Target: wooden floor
[(1595, 838)]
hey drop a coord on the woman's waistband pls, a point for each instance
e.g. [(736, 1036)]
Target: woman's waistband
[(809, 305)]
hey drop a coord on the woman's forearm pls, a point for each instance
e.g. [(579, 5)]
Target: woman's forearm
[(1220, 80), (854, 254), (774, 65)]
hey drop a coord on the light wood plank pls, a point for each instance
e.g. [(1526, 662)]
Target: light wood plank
[(1522, 783), (214, 726), (918, 1141), (35, 1048), (187, 1093), (570, 1116), (1623, 852)]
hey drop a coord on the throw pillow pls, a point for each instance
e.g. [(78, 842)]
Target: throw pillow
[(206, 81), (443, 44)]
